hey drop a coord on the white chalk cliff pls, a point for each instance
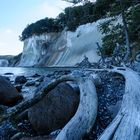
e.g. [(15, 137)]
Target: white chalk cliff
[(62, 49)]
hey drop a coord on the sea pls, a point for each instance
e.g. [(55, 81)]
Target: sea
[(29, 71)]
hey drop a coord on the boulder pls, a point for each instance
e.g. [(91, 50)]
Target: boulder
[(8, 73), (30, 83), (20, 80), (36, 75), (54, 110), (9, 96), (40, 79), (18, 88)]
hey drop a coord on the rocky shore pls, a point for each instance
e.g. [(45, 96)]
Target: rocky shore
[(47, 117)]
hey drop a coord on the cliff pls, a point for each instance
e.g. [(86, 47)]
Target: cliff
[(10, 60), (62, 49)]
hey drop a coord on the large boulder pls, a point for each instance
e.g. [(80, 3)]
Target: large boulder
[(9, 96), (20, 80), (55, 110)]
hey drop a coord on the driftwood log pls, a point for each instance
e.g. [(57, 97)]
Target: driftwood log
[(126, 125), (86, 113)]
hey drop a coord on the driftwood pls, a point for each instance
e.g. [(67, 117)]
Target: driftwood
[(85, 116), (126, 125), (86, 113)]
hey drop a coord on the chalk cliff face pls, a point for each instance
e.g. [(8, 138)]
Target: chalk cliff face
[(62, 49), (9, 60), (37, 48)]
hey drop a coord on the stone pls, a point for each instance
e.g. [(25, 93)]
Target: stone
[(9, 96), (20, 80), (40, 79), (54, 110), (36, 75), (9, 73), (19, 88), (30, 83)]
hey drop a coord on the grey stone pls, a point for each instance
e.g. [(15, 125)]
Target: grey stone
[(55, 110), (8, 94), (20, 80)]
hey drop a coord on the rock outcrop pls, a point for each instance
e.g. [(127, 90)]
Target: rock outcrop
[(9, 60)]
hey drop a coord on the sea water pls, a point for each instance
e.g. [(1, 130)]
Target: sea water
[(29, 71)]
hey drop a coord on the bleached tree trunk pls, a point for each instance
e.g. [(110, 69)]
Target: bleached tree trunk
[(126, 125), (86, 113)]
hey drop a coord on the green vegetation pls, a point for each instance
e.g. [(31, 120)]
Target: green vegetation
[(41, 26), (114, 30), (71, 18)]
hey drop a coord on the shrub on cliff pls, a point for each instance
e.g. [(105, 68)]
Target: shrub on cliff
[(41, 26)]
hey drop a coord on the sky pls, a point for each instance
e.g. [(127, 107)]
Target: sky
[(16, 14)]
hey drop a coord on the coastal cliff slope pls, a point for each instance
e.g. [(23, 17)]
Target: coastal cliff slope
[(62, 49)]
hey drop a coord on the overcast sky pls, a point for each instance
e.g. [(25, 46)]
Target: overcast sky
[(16, 14)]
